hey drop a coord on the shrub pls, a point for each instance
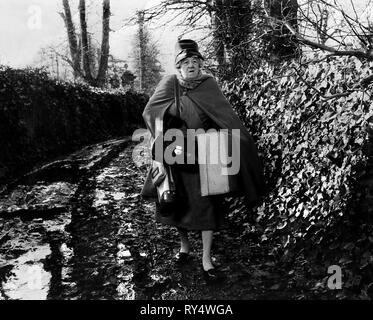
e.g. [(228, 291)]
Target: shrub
[(312, 127), (42, 118)]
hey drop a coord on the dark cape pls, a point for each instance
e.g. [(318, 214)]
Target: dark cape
[(209, 98)]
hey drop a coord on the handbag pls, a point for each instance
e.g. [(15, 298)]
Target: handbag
[(163, 180), (166, 191)]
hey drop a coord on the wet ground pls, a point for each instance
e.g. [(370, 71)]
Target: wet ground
[(78, 229)]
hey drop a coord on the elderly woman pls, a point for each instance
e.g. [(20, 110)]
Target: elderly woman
[(202, 106)]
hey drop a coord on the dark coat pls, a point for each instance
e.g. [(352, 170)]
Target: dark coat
[(209, 98)]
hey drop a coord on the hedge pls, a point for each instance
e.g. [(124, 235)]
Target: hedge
[(41, 118), (312, 125)]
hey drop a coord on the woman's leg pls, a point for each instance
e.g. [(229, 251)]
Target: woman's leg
[(184, 241), (207, 237)]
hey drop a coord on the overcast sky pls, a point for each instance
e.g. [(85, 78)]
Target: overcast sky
[(21, 35)]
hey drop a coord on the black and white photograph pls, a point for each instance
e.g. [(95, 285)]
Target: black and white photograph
[(186, 155)]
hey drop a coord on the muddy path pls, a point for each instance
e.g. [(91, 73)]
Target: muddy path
[(78, 229)]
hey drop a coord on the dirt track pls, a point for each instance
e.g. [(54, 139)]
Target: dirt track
[(78, 229)]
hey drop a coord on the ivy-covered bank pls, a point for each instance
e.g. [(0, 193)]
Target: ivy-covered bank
[(42, 118), (312, 123)]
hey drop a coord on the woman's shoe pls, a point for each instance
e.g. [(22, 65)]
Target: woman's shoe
[(211, 274)]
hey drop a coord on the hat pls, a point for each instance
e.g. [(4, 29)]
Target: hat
[(186, 48)]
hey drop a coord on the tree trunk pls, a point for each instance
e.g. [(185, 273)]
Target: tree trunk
[(86, 52), (79, 53), (141, 48), (281, 44), (217, 17), (231, 25), (71, 35), (101, 76), (322, 25), (239, 23)]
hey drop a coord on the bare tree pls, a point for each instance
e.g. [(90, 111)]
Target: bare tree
[(140, 41), (104, 44), (285, 28), (217, 18), (55, 60), (81, 53), (349, 35), (75, 48), (280, 44), (354, 28), (85, 46), (229, 24), (148, 70), (317, 16)]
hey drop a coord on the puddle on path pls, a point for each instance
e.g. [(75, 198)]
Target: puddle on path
[(74, 254), (26, 253), (28, 279), (104, 245)]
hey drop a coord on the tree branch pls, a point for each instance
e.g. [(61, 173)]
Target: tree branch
[(356, 53)]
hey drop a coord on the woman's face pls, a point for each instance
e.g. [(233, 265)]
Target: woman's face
[(189, 67)]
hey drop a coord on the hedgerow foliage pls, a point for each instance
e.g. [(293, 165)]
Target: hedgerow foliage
[(312, 123), (42, 118)]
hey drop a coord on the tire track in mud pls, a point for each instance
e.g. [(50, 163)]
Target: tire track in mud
[(113, 235), (108, 246)]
